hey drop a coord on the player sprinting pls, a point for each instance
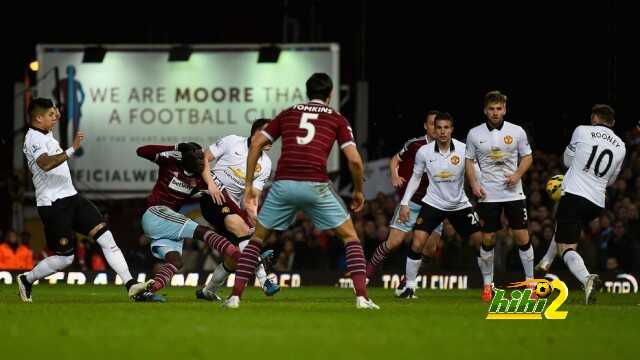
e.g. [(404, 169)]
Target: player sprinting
[(63, 211), (445, 198), (594, 158), (401, 168), (223, 208), (502, 151), (308, 132), (179, 179)]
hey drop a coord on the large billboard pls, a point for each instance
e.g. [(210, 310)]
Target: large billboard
[(135, 96)]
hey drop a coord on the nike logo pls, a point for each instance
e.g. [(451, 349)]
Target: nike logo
[(237, 153), (483, 141)]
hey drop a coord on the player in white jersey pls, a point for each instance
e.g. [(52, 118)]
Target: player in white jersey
[(443, 162), (502, 151), (63, 211), (594, 158), (401, 169), (223, 208)]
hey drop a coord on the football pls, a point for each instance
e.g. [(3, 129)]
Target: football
[(543, 289), (554, 187)]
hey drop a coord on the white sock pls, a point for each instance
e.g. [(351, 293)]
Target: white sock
[(526, 257), (220, 275), (48, 266), (576, 265), (411, 272), (485, 262), (114, 257), (261, 273), (552, 251)]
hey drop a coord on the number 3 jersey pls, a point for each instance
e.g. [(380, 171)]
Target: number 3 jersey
[(594, 158), (308, 132)]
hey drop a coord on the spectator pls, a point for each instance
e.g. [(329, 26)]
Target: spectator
[(13, 254)]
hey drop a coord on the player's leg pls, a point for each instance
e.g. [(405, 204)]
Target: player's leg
[(549, 256), (88, 221), (431, 245), (428, 220), (173, 264), (516, 212), (397, 232), (489, 214), (573, 213), (327, 211), (57, 220), (277, 213), (235, 224)]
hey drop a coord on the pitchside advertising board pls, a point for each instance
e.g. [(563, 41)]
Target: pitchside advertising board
[(612, 283), (135, 96)]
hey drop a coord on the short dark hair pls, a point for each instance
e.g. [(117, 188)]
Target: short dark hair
[(319, 86), (431, 112), (444, 116), (38, 106), (605, 113), (494, 97), (257, 124)]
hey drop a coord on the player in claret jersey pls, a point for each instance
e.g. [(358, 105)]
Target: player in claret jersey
[(308, 132), (179, 179)]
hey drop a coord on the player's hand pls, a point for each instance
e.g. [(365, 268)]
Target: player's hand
[(250, 200), (478, 191), (403, 216), (216, 194), (77, 140), (252, 211), (397, 181), (512, 180), (357, 201)]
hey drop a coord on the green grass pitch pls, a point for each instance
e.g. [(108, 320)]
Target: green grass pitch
[(98, 322)]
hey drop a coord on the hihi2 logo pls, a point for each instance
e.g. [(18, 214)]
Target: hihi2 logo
[(521, 306)]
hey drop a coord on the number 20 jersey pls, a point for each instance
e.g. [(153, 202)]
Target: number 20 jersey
[(308, 132), (595, 156)]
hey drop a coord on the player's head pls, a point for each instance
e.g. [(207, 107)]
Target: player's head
[(193, 158), (429, 123), (259, 124), (319, 87), (444, 127), (495, 107), (603, 114), (43, 114)]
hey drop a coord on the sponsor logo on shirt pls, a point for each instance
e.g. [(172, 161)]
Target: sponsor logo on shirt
[(180, 186), (496, 154), (444, 174)]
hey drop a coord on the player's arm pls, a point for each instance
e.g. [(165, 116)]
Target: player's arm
[(570, 150), (616, 172), (212, 187), (414, 183), (255, 150), (150, 152), (526, 159), (474, 183), (525, 164), (48, 162), (394, 164), (356, 167)]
